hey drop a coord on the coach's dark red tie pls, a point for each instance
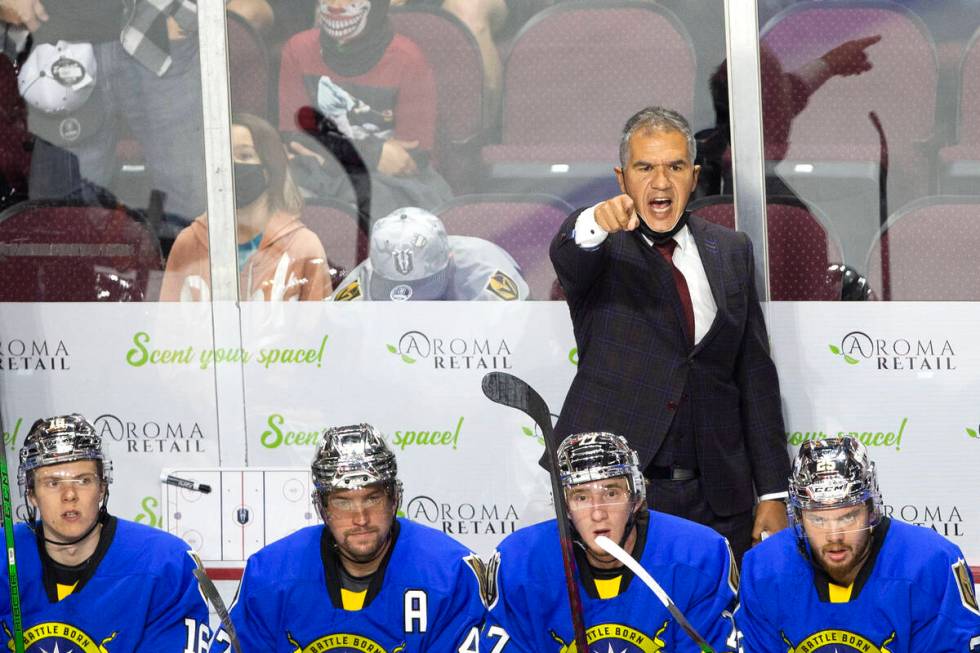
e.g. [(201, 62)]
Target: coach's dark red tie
[(667, 251)]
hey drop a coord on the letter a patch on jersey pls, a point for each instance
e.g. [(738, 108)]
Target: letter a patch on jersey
[(502, 286), (350, 293), (965, 584)]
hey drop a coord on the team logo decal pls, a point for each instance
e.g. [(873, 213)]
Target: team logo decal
[(342, 643), (616, 638), (838, 641), (502, 286), (349, 293), (964, 582), (486, 576), (404, 260), (57, 637)]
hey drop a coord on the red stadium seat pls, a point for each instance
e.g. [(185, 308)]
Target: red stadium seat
[(248, 61), (336, 225), (801, 247), (61, 252), (521, 224), (452, 51), (927, 251), (830, 153), (575, 72), (960, 163)]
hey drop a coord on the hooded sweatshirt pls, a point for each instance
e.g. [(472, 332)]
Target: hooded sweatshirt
[(289, 264)]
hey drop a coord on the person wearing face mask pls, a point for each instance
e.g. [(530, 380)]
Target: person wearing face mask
[(279, 259), (673, 350), (367, 96)]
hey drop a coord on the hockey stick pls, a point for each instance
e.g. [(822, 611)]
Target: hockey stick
[(617, 552), (886, 280), (8, 531), (210, 593), (508, 390)]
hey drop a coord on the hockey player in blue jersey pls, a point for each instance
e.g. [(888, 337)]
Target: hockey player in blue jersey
[(844, 578), (89, 581), (365, 581), (606, 495)]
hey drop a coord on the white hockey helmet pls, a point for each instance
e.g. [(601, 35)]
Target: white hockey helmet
[(833, 473), (352, 457), (61, 439), (596, 456)]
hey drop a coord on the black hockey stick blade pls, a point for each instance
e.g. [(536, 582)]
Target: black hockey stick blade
[(508, 390), (214, 598)]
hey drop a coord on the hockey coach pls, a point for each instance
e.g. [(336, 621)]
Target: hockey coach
[(673, 351)]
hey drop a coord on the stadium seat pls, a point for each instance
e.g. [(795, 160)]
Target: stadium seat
[(575, 72), (343, 239), (454, 55), (61, 252), (927, 251), (832, 151), (801, 246), (248, 63), (521, 224), (960, 163)]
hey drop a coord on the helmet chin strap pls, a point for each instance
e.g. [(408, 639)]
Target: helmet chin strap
[(103, 516)]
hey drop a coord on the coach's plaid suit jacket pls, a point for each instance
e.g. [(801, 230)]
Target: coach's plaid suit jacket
[(635, 365)]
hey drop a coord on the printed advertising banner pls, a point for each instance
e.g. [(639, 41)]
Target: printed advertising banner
[(888, 373)]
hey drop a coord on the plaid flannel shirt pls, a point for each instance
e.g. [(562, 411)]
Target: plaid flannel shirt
[(142, 24)]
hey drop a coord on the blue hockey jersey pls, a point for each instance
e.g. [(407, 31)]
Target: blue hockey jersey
[(142, 597), (913, 594), (529, 613), (426, 598)]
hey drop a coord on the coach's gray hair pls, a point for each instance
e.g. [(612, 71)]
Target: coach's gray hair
[(656, 119)]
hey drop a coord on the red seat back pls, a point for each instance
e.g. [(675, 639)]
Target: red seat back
[(523, 225), (928, 250), (59, 252)]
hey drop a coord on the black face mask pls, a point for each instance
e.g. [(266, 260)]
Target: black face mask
[(250, 183), (661, 237)]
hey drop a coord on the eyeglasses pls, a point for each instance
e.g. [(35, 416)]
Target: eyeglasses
[(56, 484), (346, 507), (589, 497)]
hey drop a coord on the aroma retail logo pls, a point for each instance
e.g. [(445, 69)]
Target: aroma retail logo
[(463, 518), (452, 352), (896, 354), (150, 436), (973, 433), (34, 355)]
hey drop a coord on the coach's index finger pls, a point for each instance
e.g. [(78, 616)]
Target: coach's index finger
[(616, 214)]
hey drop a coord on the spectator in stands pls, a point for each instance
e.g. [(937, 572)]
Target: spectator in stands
[(352, 80), (412, 258), (146, 70), (279, 259)]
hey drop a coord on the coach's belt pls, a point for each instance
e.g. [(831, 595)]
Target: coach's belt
[(657, 472)]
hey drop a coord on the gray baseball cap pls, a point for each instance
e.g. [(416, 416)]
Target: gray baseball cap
[(409, 256), (58, 84)]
